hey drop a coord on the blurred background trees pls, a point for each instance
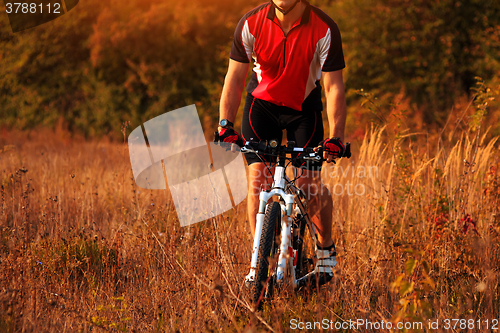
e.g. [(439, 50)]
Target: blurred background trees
[(429, 50), (106, 62)]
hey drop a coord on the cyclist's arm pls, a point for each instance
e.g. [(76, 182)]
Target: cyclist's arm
[(335, 103), (232, 90)]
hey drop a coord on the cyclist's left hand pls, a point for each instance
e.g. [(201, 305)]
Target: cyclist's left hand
[(228, 135), (332, 148)]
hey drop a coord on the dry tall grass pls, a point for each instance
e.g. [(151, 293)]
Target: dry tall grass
[(83, 249)]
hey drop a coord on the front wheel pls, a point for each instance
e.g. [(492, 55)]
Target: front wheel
[(268, 249)]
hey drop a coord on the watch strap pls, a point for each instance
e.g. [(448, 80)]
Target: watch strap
[(229, 124)]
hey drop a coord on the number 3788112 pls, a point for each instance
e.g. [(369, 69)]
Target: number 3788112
[(32, 8)]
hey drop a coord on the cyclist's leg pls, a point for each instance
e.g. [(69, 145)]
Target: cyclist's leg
[(320, 204), (259, 122), (320, 208), (306, 129), (258, 175)]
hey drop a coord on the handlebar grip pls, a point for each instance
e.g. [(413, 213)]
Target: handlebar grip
[(320, 151), (347, 152)]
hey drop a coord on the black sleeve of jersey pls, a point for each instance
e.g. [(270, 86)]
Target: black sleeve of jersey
[(335, 59), (238, 52)]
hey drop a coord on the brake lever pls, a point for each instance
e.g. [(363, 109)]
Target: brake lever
[(320, 153)]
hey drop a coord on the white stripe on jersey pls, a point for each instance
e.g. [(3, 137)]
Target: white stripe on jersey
[(324, 45), (320, 55), (257, 69), (248, 40)]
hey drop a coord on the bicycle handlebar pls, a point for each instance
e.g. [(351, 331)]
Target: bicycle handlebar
[(272, 148)]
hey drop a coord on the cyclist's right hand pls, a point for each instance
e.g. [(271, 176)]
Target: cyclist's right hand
[(228, 135)]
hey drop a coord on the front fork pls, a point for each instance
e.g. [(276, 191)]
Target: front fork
[(286, 252), (256, 240)]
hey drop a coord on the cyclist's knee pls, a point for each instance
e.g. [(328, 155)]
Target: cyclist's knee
[(259, 175)]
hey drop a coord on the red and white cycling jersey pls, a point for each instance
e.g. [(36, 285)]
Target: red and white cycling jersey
[(288, 67)]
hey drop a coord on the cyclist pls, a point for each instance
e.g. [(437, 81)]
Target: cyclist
[(291, 43)]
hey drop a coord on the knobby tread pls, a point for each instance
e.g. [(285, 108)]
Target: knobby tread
[(268, 247)]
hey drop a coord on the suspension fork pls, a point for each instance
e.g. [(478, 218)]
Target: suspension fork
[(286, 222), (286, 250), (258, 232)]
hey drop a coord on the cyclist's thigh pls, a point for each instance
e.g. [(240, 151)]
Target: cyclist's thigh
[(306, 129), (260, 122)]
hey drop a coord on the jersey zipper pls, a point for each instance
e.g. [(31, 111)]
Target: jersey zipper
[(284, 53), (284, 44)]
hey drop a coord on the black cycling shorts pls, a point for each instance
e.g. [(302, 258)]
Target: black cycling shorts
[(263, 120)]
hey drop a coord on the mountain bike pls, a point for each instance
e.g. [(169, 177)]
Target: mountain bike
[(281, 252)]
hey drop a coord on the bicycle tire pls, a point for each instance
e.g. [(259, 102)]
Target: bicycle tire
[(268, 248), (303, 244), (298, 238)]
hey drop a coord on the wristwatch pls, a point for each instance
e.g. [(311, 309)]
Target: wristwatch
[(224, 123)]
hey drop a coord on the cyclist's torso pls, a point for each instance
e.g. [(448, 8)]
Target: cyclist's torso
[(288, 67)]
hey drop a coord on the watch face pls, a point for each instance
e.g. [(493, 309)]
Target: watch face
[(223, 123)]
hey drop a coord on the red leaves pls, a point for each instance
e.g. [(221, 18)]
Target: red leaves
[(468, 223)]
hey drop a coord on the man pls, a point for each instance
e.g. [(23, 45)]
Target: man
[(291, 43)]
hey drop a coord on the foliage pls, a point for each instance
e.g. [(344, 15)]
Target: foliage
[(429, 50), (103, 63), (416, 226)]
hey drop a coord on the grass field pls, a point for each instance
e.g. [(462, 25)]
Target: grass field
[(82, 248)]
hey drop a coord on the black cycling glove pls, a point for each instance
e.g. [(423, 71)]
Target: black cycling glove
[(228, 135), (333, 146)]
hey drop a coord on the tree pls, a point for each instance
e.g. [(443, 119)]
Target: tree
[(429, 49)]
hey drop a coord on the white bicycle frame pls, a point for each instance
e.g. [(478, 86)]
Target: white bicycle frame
[(286, 255)]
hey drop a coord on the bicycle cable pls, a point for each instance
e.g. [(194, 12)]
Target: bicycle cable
[(301, 173), (290, 161), (268, 169)]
